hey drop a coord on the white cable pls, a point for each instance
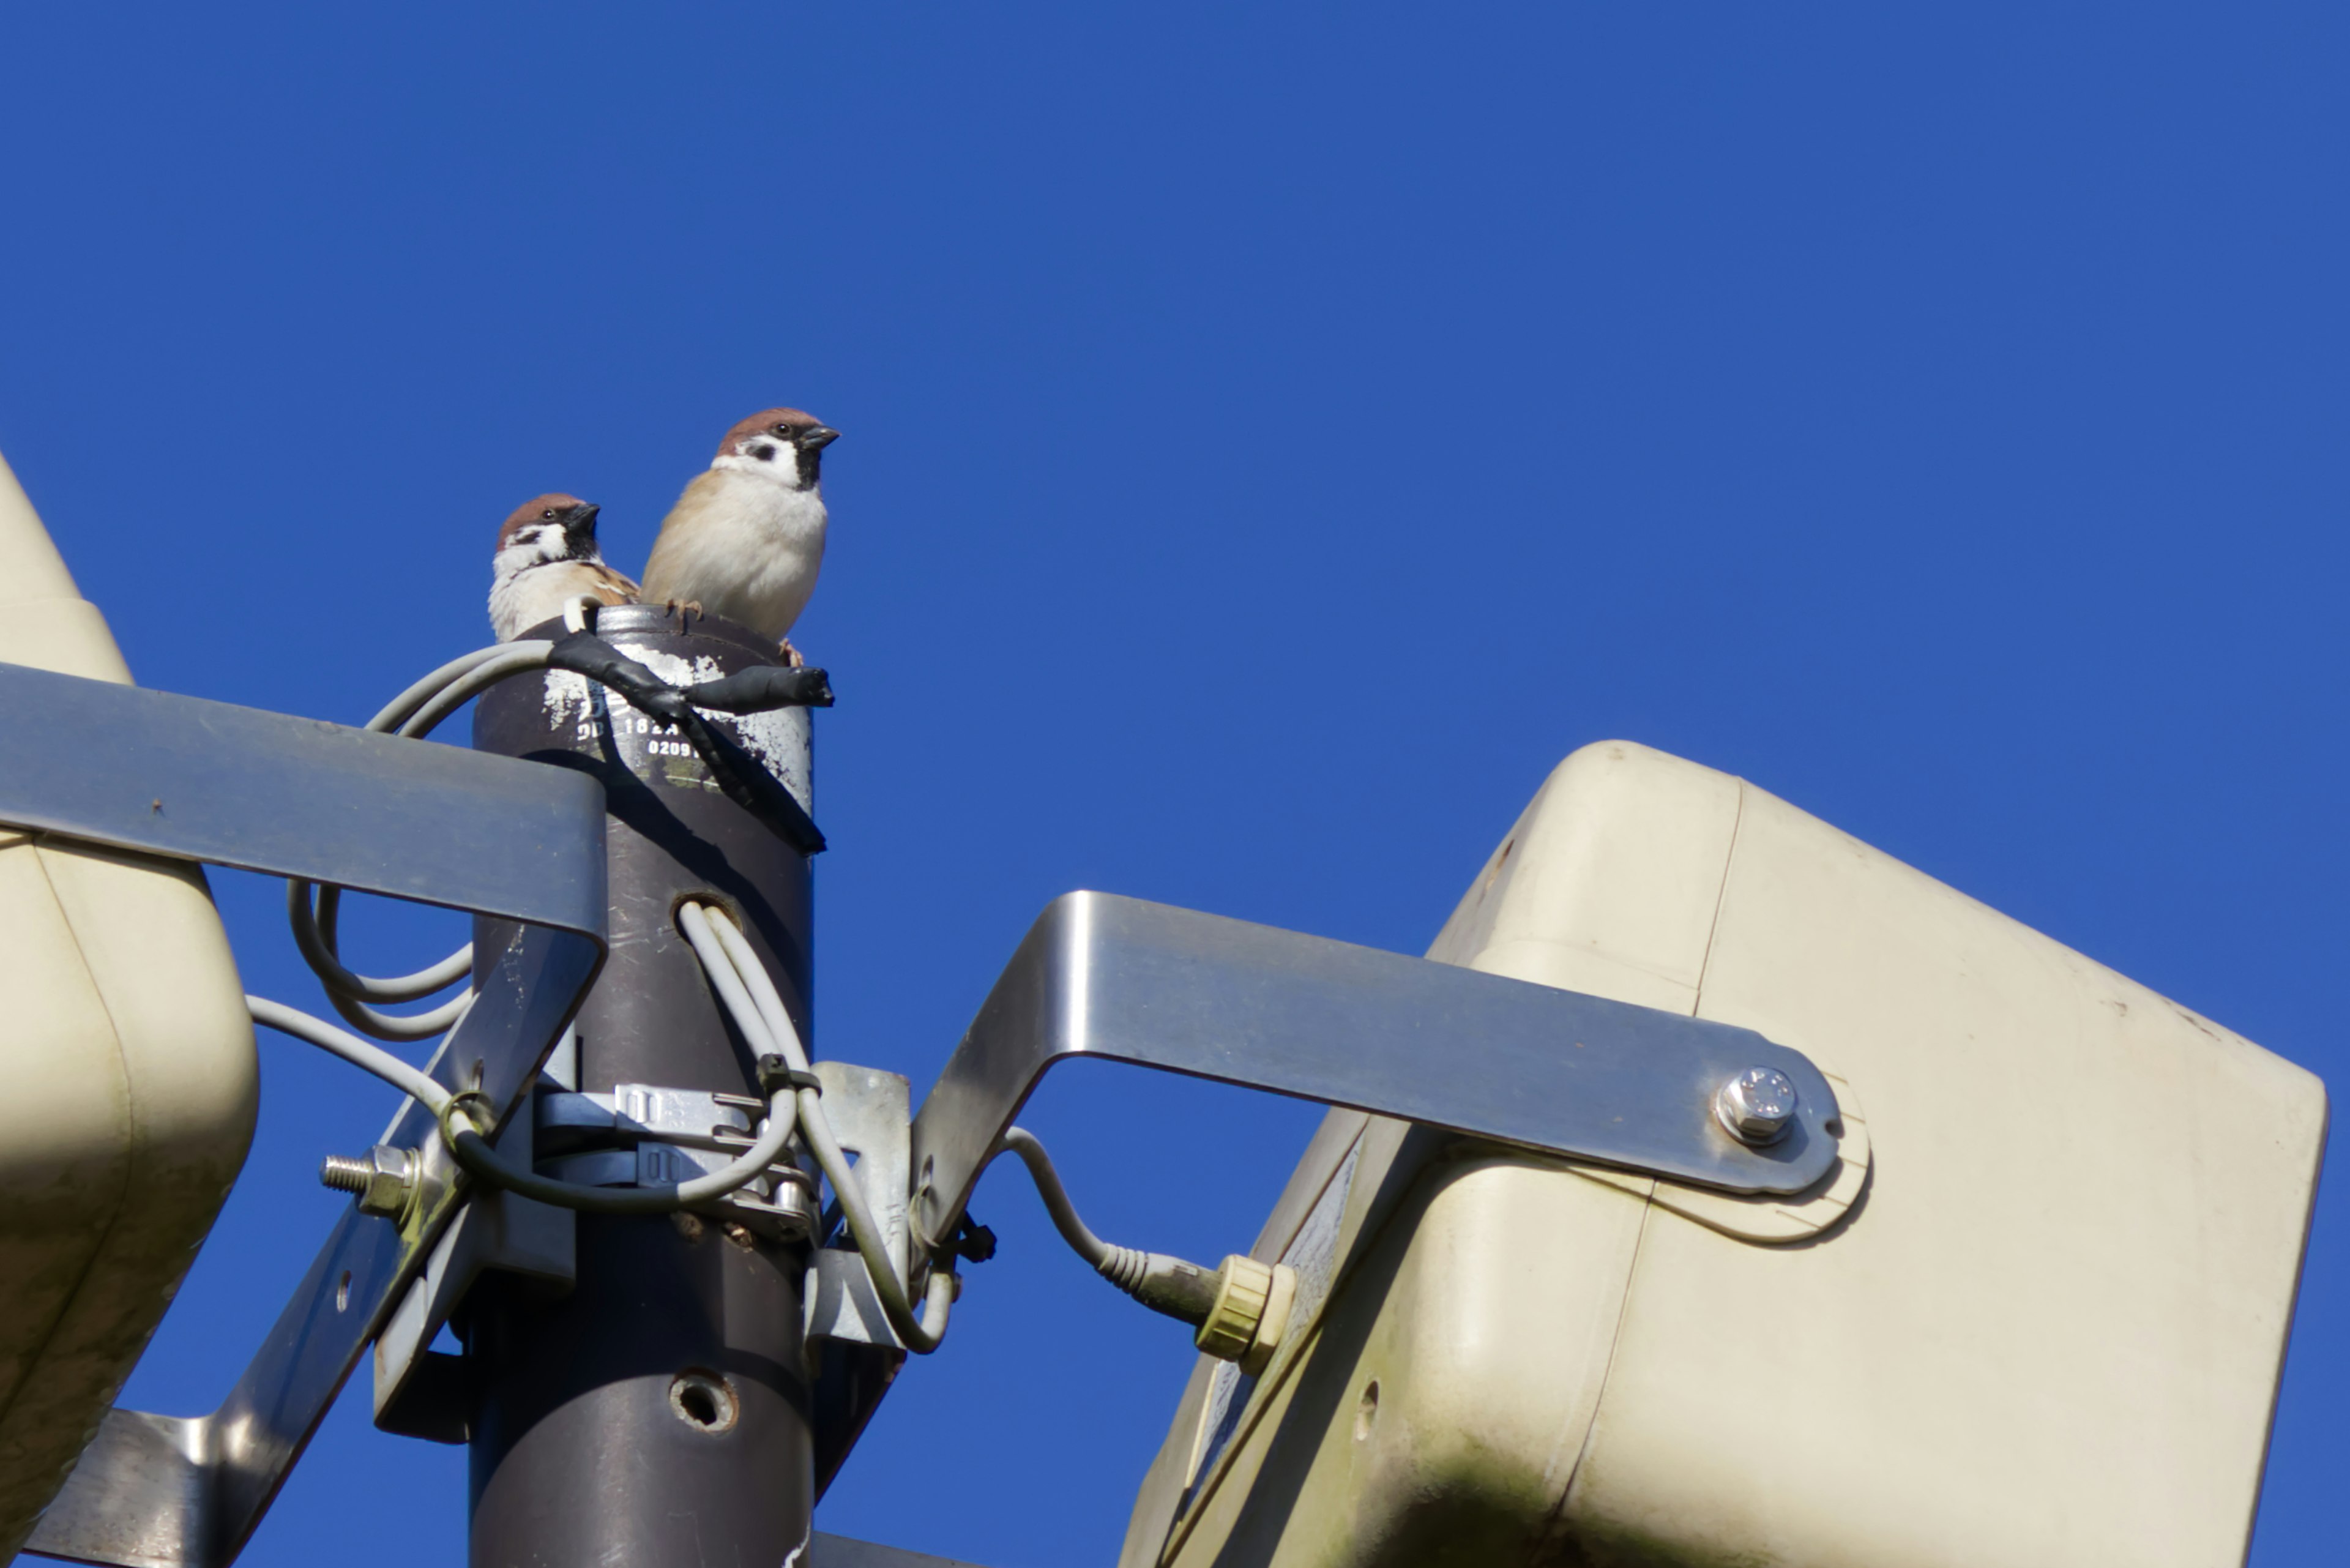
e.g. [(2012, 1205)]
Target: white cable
[(473, 1152), (765, 1023), (312, 931), (409, 1080), (414, 713), (391, 716), (753, 973), (515, 658)]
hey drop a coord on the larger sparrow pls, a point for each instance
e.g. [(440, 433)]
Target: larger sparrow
[(745, 539), (547, 557)]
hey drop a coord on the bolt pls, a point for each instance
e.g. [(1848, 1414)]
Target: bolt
[(1756, 1107), (384, 1179)]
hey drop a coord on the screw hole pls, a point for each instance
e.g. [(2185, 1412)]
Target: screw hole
[(703, 1400), (1834, 1126), (1367, 1410), (343, 1292)]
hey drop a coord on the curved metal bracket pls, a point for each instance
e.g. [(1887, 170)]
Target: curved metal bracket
[(1550, 1070), (196, 780)]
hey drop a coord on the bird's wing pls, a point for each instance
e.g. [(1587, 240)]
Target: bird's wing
[(609, 586), (663, 564)]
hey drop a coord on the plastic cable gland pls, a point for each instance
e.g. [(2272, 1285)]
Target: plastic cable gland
[(1251, 1310)]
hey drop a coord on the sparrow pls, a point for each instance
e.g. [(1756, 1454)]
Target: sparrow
[(745, 539), (547, 557)]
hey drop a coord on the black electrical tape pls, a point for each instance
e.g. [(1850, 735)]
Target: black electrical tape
[(585, 653), (763, 689)]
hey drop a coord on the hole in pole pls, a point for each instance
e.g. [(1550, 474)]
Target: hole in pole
[(703, 1400)]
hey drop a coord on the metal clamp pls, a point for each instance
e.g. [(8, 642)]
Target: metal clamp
[(194, 780), (694, 1118), (644, 1135)]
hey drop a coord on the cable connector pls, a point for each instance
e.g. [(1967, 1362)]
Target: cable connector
[(1249, 1315), (1239, 1311)]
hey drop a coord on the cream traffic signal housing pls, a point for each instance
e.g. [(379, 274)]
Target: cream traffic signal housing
[(130, 1082), (2036, 1316)]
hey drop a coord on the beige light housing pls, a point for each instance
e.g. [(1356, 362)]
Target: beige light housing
[(128, 1064), (2037, 1317)]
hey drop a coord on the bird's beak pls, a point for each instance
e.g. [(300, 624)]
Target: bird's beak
[(579, 522), (816, 438)]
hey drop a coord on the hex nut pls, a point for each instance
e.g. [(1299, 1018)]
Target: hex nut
[(1756, 1107), (384, 1179)]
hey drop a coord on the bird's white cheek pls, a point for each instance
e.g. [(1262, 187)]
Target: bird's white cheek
[(781, 469)]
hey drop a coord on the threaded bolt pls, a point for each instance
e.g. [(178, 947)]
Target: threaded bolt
[(384, 1179), (1757, 1106)]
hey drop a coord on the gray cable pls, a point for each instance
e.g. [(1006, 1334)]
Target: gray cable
[(396, 712), (414, 713), (1088, 1246), (516, 658), (762, 985), (1161, 1282), (474, 1154), (317, 1031), (314, 933), (749, 994)]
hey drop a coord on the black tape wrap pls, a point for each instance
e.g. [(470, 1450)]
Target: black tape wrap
[(759, 690), (762, 688)]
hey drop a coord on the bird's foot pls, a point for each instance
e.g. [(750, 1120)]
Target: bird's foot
[(792, 656), (683, 607)]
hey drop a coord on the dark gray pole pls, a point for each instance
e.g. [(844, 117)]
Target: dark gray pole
[(657, 1414)]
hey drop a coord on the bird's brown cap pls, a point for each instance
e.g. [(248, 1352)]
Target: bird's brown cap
[(548, 508), (792, 424)]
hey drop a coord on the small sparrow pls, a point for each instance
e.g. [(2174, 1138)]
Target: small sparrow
[(745, 539), (547, 557)]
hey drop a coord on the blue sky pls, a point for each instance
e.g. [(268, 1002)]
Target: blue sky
[(1275, 437)]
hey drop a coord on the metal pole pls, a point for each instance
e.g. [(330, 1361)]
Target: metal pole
[(657, 1414)]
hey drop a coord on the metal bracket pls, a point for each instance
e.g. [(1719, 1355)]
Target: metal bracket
[(194, 780), (420, 1392), (494, 1231), (868, 1110), (1546, 1069), (852, 1354)]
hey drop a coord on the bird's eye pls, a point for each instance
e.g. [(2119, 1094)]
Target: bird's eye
[(548, 514), (785, 431)]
